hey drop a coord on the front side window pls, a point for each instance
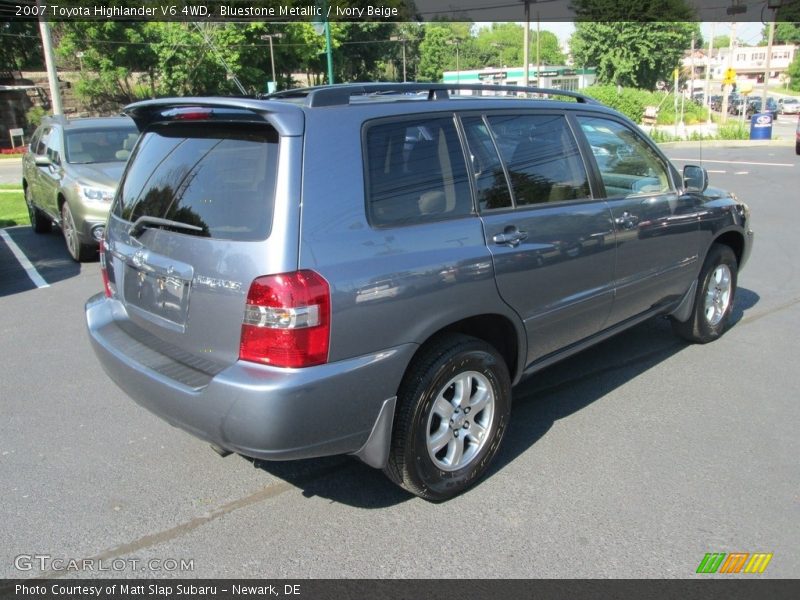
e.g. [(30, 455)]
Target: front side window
[(53, 143), (415, 172), (628, 165), (542, 158)]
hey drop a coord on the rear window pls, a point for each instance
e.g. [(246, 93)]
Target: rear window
[(86, 146), (220, 178)]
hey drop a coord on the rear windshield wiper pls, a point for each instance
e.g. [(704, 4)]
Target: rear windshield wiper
[(146, 221)]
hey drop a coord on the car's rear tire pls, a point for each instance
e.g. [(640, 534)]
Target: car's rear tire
[(77, 250), (713, 303), (40, 222), (453, 408)]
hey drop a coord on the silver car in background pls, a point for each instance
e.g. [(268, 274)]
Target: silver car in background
[(69, 176)]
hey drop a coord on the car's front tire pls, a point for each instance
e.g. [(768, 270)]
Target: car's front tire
[(453, 408), (77, 250), (40, 222), (713, 303)]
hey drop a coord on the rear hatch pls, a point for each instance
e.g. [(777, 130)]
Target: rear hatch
[(209, 201)]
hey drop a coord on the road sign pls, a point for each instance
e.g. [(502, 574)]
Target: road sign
[(729, 77)]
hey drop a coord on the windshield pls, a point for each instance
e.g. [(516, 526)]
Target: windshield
[(86, 146)]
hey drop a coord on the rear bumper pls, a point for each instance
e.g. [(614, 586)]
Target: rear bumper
[(254, 410)]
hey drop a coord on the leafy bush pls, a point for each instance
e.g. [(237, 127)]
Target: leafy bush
[(35, 115), (733, 131), (631, 102)]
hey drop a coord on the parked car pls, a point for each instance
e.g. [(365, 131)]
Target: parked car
[(737, 105), (69, 175), (797, 138), (715, 103), (366, 270), (754, 107), (789, 106)]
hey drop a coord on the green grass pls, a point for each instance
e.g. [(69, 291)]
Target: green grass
[(782, 90), (12, 207)]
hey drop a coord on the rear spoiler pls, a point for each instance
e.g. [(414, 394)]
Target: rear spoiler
[(287, 118)]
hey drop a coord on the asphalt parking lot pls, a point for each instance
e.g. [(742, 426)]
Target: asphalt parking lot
[(632, 459)]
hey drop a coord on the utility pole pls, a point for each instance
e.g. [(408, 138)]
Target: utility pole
[(770, 37), (691, 76), (50, 62), (526, 42), (402, 39), (707, 93), (538, 62), (269, 36), (726, 88)]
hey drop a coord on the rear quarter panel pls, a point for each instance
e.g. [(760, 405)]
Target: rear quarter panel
[(389, 285)]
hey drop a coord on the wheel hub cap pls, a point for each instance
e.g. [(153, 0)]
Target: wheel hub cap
[(460, 421), (718, 296)]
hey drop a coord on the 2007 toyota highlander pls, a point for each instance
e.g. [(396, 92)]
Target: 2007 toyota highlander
[(369, 269)]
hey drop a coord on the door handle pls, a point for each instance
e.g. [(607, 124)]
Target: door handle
[(510, 237), (627, 220)]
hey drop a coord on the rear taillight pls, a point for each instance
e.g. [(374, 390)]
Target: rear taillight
[(104, 269), (287, 320)]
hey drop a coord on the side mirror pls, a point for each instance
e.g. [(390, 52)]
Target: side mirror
[(695, 179), (42, 161)]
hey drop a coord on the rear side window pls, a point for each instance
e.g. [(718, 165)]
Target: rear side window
[(220, 178), (416, 172), (542, 158)]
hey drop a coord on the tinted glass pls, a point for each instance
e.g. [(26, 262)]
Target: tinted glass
[(628, 165), (490, 179), (542, 158), (219, 178), (52, 142), (100, 145), (416, 172)]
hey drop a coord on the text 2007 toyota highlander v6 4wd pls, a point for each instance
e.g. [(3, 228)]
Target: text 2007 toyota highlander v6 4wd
[(368, 269)]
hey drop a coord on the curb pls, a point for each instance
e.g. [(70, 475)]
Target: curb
[(727, 143)]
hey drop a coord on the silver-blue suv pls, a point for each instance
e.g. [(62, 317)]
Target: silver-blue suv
[(369, 269)]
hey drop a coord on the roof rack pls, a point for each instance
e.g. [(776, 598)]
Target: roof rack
[(339, 94)]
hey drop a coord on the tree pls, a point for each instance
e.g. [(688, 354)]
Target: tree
[(20, 48), (632, 54), (633, 10), (447, 47), (364, 50), (794, 73), (722, 41), (785, 33), (502, 45), (111, 52)]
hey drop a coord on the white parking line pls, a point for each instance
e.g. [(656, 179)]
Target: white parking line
[(737, 162), (31, 271), (715, 171)]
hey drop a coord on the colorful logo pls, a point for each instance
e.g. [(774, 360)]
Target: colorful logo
[(735, 562)]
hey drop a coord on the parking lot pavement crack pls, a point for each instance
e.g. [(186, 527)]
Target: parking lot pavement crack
[(752, 318), (153, 539)]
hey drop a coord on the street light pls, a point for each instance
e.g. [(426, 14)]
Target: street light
[(458, 71), (402, 40), (269, 36)]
